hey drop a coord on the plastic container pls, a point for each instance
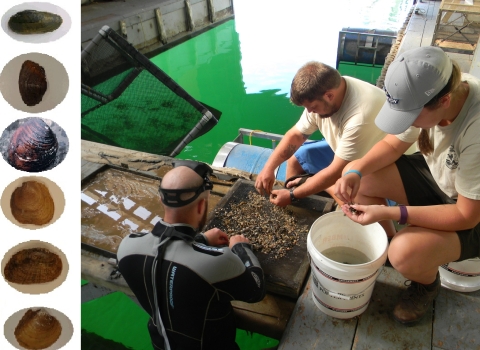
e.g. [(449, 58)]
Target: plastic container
[(346, 259), (461, 276)]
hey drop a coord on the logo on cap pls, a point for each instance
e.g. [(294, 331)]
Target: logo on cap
[(429, 92), (390, 99)]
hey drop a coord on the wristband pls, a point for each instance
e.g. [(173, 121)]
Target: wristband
[(292, 196), (353, 172), (403, 215)]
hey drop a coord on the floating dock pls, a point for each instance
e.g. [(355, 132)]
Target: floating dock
[(454, 319), (153, 25)]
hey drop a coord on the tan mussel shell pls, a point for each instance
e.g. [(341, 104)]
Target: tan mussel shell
[(34, 265), (37, 329), (32, 204)]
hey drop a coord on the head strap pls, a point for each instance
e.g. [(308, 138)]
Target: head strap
[(172, 198)]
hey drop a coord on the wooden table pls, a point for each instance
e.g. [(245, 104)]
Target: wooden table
[(457, 28)]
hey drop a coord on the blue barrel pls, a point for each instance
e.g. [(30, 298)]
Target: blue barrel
[(248, 158), (252, 159)]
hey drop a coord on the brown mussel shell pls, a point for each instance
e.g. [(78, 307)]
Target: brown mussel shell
[(32, 266), (32, 83), (37, 330), (32, 204), (34, 22), (33, 146)]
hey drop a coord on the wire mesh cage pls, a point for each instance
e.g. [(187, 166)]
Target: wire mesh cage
[(129, 102)]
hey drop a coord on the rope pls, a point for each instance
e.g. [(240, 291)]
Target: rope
[(250, 136), (393, 51)]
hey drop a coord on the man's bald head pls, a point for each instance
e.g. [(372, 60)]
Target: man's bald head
[(182, 179)]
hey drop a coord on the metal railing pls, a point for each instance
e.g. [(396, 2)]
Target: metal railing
[(376, 46)]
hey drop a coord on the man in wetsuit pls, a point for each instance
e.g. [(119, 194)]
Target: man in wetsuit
[(195, 275)]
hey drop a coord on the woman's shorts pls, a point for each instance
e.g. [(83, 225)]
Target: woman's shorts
[(421, 190)]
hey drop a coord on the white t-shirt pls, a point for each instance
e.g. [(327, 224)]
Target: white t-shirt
[(455, 161), (350, 132)]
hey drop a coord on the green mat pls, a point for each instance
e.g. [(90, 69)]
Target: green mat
[(115, 317)]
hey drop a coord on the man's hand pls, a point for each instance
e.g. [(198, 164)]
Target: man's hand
[(238, 239), (346, 187), (280, 197), (216, 237), (265, 181)]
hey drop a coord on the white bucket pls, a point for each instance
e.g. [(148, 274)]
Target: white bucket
[(461, 276), (340, 305), (342, 284)]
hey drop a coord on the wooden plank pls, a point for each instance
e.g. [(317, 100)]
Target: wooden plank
[(376, 327), (268, 317), (89, 168), (475, 65), (459, 6), (310, 328), (97, 270), (455, 45), (457, 320), (104, 154)]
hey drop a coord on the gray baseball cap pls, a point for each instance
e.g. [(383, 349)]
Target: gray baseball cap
[(412, 80)]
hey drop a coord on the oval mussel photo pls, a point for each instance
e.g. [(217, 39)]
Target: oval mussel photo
[(37, 329), (32, 204), (32, 266), (33, 146), (34, 22), (32, 83)]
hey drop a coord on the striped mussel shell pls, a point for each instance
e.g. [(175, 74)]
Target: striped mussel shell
[(33, 146), (32, 266), (32, 83), (37, 329), (34, 22)]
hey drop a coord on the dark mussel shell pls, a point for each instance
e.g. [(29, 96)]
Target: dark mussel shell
[(33, 146), (34, 265), (34, 22), (32, 83)]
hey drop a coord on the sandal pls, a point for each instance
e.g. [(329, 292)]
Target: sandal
[(304, 177)]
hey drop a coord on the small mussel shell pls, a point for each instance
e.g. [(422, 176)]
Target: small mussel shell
[(37, 329), (32, 266), (32, 204), (32, 83), (34, 22), (33, 146)]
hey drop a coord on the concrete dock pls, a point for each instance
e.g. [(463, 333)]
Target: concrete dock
[(453, 321)]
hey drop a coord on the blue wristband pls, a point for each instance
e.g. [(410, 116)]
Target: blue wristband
[(354, 172)]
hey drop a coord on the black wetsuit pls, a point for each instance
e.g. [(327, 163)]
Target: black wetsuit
[(195, 284)]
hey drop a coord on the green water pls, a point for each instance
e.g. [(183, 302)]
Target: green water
[(208, 68), (245, 70)]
